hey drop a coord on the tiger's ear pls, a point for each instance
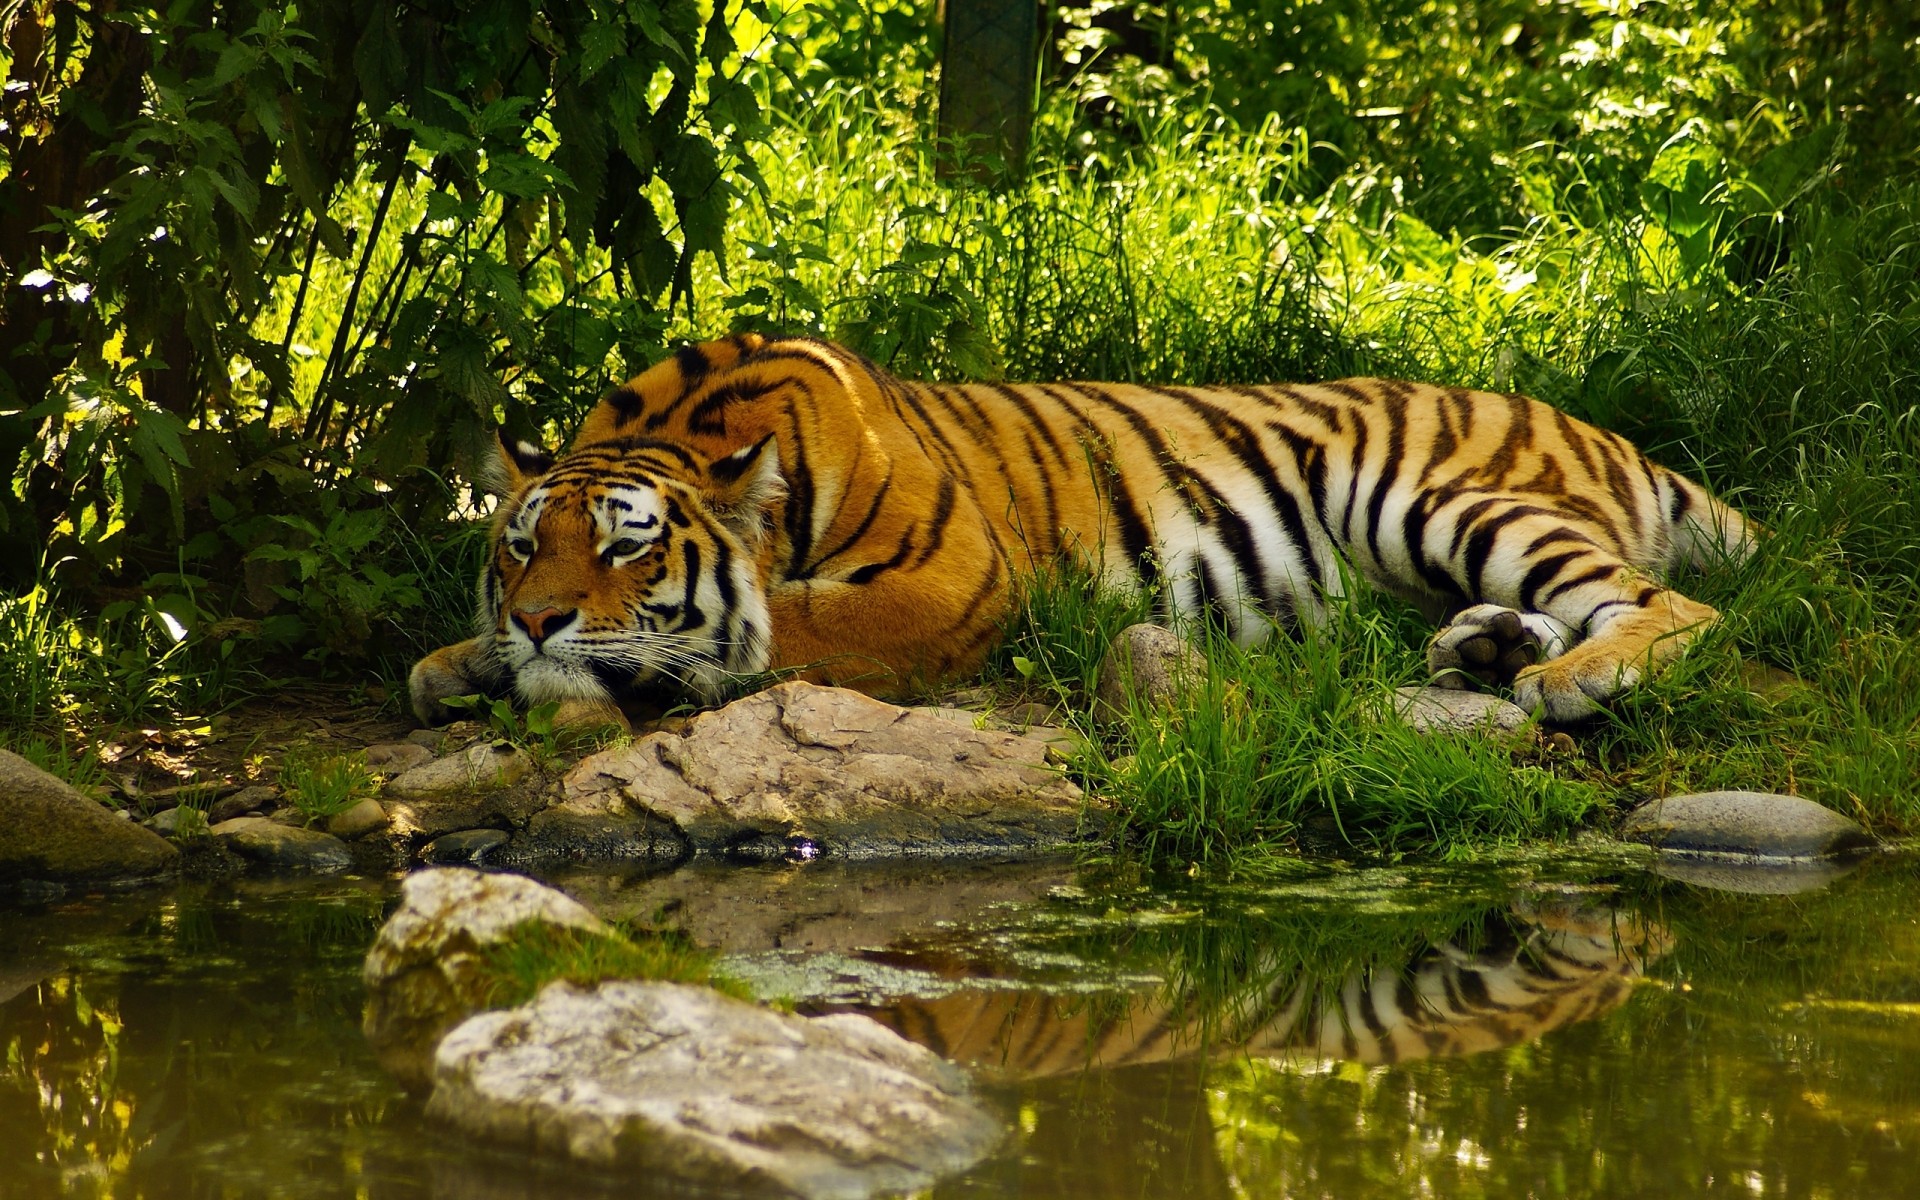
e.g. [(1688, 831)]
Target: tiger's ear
[(519, 462), (744, 485)]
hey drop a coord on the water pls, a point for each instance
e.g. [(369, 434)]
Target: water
[(1630, 1035)]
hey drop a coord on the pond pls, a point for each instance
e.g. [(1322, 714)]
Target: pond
[(1555, 1028)]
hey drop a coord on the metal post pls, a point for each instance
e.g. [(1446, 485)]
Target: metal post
[(988, 72)]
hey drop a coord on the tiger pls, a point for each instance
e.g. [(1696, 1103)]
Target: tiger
[(1547, 964), (759, 504)]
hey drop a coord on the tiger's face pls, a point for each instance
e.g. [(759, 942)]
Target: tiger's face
[(628, 566)]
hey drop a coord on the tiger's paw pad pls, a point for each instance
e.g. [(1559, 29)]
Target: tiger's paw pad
[(1492, 645)]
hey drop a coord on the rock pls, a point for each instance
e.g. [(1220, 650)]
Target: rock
[(258, 797), (362, 819), (598, 829), (801, 769), (423, 975), (397, 758), (432, 739), (1448, 710), (664, 1078), (180, 822), (1751, 825), (50, 833), (1150, 662), (265, 842), (462, 791), (468, 846)]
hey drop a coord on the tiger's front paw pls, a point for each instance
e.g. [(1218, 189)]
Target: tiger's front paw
[(456, 670), (1574, 686), (1492, 645)]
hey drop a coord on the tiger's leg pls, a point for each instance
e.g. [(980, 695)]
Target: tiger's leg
[(1492, 644), (461, 669), (1632, 628)]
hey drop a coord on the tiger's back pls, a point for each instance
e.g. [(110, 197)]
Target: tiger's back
[(904, 513)]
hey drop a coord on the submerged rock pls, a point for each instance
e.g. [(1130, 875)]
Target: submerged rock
[(423, 973), (1151, 662), (664, 1078), (265, 842), (1757, 825), (50, 833), (802, 770)]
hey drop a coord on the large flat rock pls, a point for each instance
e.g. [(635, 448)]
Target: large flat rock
[(1756, 825), (803, 770), (50, 833), (661, 1079)]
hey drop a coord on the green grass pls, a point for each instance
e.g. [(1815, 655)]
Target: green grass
[(535, 954), (320, 785)]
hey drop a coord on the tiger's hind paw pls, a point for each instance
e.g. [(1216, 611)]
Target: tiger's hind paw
[(1491, 645)]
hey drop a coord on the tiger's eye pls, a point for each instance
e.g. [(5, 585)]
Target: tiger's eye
[(624, 547), (520, 547)]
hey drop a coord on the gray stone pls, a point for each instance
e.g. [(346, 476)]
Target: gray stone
[(664, 1078), (423, 973), (467, 846), (1756, 825), (397, 758), (362, 819), (259, 797), (810, 770), (50, 833), (432, 739), (462, 791), (1448, 710), (265, 842), (1151, 663), (593, 831)]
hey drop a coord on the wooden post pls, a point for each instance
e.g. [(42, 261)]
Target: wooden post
[(988, 72)]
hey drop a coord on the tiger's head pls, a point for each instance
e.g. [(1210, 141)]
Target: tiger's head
[(626, 565)]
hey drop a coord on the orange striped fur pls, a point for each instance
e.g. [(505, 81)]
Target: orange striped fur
[(754, 503)]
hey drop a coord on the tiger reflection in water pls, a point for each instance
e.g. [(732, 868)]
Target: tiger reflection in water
[(1123, 1101), (1557, 962)]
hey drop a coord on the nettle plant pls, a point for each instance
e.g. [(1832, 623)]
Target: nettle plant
[(252, 252)]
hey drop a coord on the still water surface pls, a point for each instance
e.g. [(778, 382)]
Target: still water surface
[(1557, 1030)]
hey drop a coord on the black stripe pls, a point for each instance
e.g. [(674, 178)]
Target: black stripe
[(1414, 530), (867, 573), (1591, 575), (1241, 441), (1540, 573), (937, 526), (691, 615), (798, 570), (799, 508), (625, 403), (1394, 411), (710, 415)]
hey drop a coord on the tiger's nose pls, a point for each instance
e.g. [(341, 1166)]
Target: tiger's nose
[(540, 626)]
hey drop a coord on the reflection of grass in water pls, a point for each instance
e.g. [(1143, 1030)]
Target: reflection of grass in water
[(1225, 953), (1754, 957)]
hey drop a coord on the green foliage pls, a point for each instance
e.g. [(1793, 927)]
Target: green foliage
[(321, 785), (1294, 742), (535, 953), (262, 265), (58, 758)]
